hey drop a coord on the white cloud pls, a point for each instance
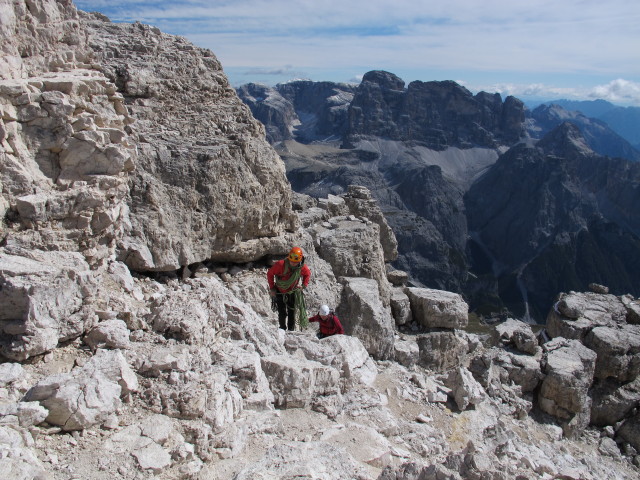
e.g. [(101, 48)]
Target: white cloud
[(541, 39), (618, 91)]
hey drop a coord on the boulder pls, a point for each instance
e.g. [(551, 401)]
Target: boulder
[(87, 395), (618, 351), (442, 351), (361, 204), (46, 298), (343, 352), (406, 352), (146, 442), (108, 334), (500, 367), (569, 368), (400, 307), (295, 383), (630, 431), (464, 388), (363, 315), (23, 414), (437, 308), (204, 393), (352, 247), (574, 315), (252, 383), (508, 377), (613, 401), (517, 334), (317, 460)]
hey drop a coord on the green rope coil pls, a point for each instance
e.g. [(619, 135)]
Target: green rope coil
[(300, 308)]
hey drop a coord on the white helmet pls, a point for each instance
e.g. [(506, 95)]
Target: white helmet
[(324, 310)]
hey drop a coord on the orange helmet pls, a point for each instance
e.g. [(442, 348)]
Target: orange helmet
[(295, 254)]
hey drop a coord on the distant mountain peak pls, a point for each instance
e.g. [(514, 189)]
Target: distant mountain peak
[(565, 139), (384, 79)]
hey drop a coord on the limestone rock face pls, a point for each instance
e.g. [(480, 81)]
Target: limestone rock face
[(362, 204), (442, 351), (517, 334), (439, 113), (87, 395), (564, 392), (319, 460), (301, 110), (580, 203), (108, 135), (438, 308), (352, 247), (363, 315), (295, 385), (40, 37), (46, 298), (211, 162), (343, 352)]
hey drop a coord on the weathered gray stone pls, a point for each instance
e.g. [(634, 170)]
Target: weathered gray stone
[(19, 459), (569, 370), (464, 388), (108, 334), (438, 308), (24, 414), (406, 352), (360, 203), (613, 401), (633, 309), (442, 351), (165, 359), (343, 352), (296, 382), (87, 395), (318, 460), (618, 351), (630, 431), (257, 203), (352, 248), (400, 307), (45, 298), (363, 315), (516, 333), (576, 314)]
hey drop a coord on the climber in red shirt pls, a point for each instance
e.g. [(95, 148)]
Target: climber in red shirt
[(285, 277), (329, 322)]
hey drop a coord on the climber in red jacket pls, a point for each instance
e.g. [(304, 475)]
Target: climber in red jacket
[(329, 322), (285, 277)]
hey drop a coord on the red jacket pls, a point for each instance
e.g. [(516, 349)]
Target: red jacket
[(330, 325), (277, 270)]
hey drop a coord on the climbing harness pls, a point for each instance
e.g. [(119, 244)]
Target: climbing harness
[(300, 307)]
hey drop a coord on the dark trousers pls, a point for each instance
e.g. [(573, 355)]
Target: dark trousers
[(286, 308)]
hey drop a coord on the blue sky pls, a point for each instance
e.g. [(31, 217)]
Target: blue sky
[(546, 49)]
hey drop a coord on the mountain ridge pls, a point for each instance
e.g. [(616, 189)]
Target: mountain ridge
[(395, 134)]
